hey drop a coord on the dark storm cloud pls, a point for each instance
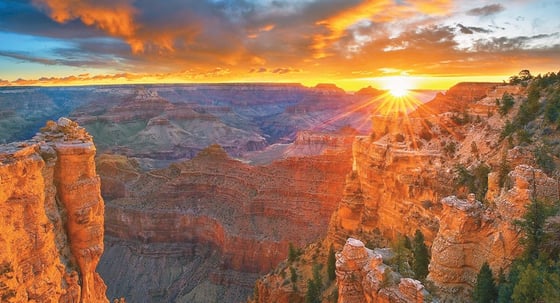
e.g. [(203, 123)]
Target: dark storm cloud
[(498, 44), (486, 10), (469, 30), (28, 58), (22, 17), (80, 61)]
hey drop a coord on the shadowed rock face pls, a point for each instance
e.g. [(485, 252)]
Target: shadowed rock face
[(50, 249), (224, 221)]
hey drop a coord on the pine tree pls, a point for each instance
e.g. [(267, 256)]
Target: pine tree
[(485, 290), (529, 287), (533, 226), (293, 275), (331, 264), (421, 256), (402, 255), (312, 294), (292, 252)]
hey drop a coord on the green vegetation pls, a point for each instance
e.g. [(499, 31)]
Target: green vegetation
[(475, 179), (293, 252), (421, 256), (331, 264), (485, 290), (293, 275), (544, 158), (461, 118), (521, 78), (314, 286), (450, 148), (535, 276), (503, 171), (505, 104), (402, 256), (542, 102), (532, 225)]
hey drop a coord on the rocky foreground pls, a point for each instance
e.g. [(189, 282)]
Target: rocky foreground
[(51, 217)]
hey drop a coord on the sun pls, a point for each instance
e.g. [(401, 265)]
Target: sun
[(398, 86)]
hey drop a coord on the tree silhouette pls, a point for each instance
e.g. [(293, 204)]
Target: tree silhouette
[(331, 264), (485, 290), (421, 256)]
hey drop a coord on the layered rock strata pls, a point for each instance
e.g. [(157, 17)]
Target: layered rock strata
[(232, 219), (52, 218), (392, 190)]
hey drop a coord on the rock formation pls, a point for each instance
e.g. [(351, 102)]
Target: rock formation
[(361, 277), (52, 218), (392, 190), (224, 220), (470, 234)]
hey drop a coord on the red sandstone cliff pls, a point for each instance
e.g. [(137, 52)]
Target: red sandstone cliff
[(51, 218), (226, 220)]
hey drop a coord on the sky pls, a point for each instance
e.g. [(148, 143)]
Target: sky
[(352, 43)]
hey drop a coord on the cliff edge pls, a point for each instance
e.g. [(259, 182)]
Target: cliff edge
[(51, 218)]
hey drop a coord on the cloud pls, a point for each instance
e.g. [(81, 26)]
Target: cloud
[(83, 60), (86, 78), (261, 40), (486, 10), (284, 70), (469, 30), (113, 17), (258, 70), (519, 43)]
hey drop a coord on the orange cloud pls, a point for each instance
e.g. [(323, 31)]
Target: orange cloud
[(115, 17), (214, 74), (374, 11)]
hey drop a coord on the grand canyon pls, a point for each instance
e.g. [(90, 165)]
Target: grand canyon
[(238, 188), (256, 151)]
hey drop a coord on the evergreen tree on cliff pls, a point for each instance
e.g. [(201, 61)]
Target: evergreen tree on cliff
[(421, 256), (485, 290), (331, 264)]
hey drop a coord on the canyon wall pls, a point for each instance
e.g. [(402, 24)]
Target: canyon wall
[(224, 221), (52, 218), (392, 190)]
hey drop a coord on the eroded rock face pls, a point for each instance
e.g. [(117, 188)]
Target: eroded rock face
[(50, 249), (471, 234), (391, 190), (361, 277), (232, 219)]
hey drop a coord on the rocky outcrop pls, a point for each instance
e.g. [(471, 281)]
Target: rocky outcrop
[(309, 143), (52, 218), (460, 98), (361, 276), (392, 190), (235, 219), (471, 234)]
